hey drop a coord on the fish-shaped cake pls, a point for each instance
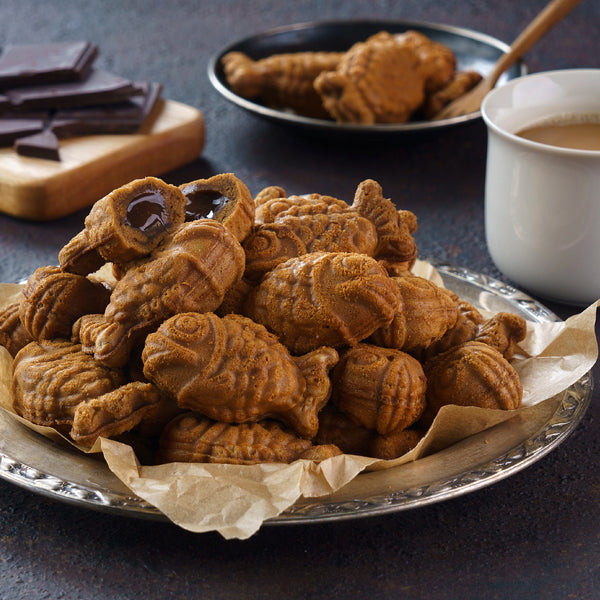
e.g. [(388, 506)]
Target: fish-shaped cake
[(379, 388), (286, 227), (426, 312), (191, 272), (13, 336), (324, 299), (193, 438), (51, 378), (222, 197), (472, 374), (281, 80), (57, 385), (125, 225), (54, 299), (233, 370)]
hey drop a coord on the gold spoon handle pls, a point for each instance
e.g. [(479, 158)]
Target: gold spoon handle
[(554, 12)]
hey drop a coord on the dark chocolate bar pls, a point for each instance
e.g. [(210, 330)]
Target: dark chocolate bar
[(100, 87), (35, 64), (40, 145), (11, 129), (123, 118)]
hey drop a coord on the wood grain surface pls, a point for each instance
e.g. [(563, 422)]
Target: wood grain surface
[(92, 166)]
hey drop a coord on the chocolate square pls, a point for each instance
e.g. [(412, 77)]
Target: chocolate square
[(100, 87), (11, 128), (34, 64), (126, 117), (40, 145)]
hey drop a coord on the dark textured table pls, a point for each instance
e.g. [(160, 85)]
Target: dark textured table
[(535, 534)]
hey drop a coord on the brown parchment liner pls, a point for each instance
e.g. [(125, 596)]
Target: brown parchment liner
[(235, 500)]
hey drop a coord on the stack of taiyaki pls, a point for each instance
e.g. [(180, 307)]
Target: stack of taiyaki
[(238, 330), (388, 78)]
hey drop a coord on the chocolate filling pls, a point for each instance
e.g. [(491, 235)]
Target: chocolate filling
[(148, 213), (203, 204)]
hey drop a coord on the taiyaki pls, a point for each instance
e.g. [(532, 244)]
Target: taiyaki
[(339, 429), (233, 370), (125, 225), (224, 198), (194, 438), (281, 80), (286, 227), (324, 299), (435, 62), (425, 313), (51, 378), (13, 336), (374, 82), (54, 299), (191, 272), (472, 374), (379, 388)]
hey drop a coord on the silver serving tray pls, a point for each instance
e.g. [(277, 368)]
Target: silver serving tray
[(473, 50), (58, 471)]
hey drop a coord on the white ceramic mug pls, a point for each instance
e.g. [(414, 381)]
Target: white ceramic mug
[(542, 202)]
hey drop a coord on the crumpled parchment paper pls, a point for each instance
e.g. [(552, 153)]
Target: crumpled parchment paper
[(236, 500)]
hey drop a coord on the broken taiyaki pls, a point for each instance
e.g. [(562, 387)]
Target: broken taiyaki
[(191, 272)]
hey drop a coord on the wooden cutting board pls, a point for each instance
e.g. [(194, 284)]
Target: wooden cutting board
[(92, 166)]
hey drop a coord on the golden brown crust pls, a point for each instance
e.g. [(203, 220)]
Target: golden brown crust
[(115, 412), (13, 336), (375, 82), (395, 243), (51, 378), (340, 430), (379, 388), (190, 273), (53, 300), (503, 332), (460, 84), (436, 63), (231, 369), (224, 198), (281, 80), (126, 225), (324, 299), (290, 227), (465, 329), (193, 438), (425, 313), (472, 374)]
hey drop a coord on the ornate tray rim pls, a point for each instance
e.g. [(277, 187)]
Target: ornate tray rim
[(571, 406)]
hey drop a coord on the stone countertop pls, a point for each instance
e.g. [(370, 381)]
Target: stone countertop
[(533, 535)]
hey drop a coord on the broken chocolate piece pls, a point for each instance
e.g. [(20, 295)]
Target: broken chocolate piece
[(100, 87), (11, 129), (35, 64), (124, 117), (39, 145)]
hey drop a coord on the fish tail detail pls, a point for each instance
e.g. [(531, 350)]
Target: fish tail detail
[(394, 227), (315, 367)]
